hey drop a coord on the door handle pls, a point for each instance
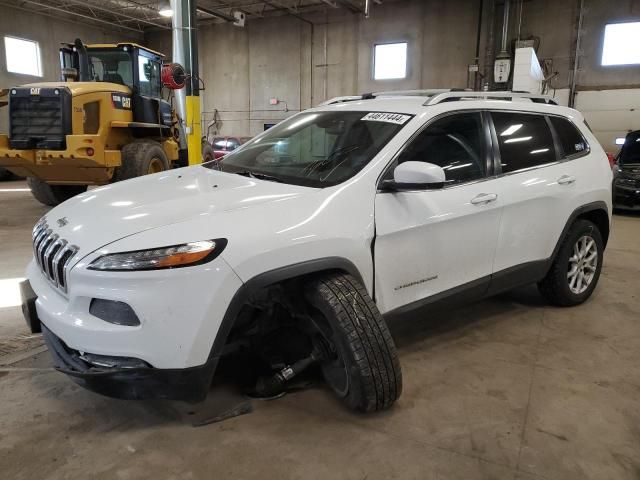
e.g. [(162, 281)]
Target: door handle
[(566, 180), (484, 198)]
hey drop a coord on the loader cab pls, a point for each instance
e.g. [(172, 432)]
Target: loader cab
[(125, 64)]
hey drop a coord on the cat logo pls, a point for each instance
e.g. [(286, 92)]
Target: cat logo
[(35, 91)]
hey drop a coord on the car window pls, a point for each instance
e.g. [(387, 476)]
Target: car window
[(232, 144), (316, 149), (455, 143), (571, 140), (525, 140), (220, 143)]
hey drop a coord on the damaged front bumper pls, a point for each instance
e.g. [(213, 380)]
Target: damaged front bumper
[(129, 378)]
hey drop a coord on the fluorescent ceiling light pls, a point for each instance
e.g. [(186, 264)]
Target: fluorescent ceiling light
[(518, 139), (620, 141), (511, 130)]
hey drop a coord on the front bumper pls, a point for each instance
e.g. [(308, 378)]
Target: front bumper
[(627, 197), (188, 384)]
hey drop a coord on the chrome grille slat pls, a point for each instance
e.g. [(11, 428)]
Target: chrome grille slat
[(56, 261), (52, 254), (52, 242)]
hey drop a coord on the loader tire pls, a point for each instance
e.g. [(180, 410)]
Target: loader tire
[(53, 195), (141, 158)]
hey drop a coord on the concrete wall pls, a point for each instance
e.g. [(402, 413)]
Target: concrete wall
[(278, 57), (49, 33), (554, 21)]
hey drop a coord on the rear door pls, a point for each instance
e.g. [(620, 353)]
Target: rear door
[(439, 241), (539, 182)]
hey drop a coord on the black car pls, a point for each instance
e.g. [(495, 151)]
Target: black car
[(626, 181)]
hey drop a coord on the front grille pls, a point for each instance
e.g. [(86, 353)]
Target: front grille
[(39, 118), (53, 254)]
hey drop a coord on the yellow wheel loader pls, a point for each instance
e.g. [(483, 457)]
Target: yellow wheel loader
[(105, 121)]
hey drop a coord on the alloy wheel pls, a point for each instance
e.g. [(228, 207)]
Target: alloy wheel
[(582, 264)]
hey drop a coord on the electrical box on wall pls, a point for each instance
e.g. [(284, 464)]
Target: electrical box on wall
[(240, 18), (501, 70)]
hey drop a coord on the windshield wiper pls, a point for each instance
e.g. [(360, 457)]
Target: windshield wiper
[(259, 176)]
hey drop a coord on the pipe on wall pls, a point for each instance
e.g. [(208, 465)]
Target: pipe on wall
[(576, 58), (489, 54), (505, 27)]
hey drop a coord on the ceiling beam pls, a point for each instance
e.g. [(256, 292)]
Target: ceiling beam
[(81, 15)]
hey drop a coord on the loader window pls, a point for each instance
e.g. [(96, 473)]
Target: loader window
[(149, 77), (112, 66)]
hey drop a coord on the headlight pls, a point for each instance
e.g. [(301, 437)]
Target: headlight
[(175, 256)]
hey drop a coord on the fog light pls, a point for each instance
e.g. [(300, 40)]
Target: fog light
[(118, 313), (105, 361), (90, 151)]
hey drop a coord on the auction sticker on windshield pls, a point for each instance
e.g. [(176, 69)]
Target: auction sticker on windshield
[(396, 118)]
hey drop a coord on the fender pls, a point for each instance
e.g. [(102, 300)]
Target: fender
[(270, 278), (589, 207)]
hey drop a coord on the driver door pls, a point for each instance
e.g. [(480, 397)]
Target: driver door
[(433, 243)]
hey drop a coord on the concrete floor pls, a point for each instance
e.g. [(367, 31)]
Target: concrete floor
[(507, 388)]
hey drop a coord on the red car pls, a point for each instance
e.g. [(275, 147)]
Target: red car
[(224, 145)]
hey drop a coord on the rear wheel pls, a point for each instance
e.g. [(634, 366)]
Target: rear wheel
[(363, 367), (576, 269), (141, 158), (53, 195)]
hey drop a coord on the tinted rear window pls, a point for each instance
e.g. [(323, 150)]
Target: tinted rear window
[(525, 140), (571, 140)]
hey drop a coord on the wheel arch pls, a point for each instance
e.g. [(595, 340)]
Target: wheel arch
[(596, 212), (273, 277)]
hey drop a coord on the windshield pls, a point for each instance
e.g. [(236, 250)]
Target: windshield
[(315, 149), (115, 66), (630, 153)]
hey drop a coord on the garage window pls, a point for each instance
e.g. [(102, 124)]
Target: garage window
[(390, 61), (23, 56), (621, 44)]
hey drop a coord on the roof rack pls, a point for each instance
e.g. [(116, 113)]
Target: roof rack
[(440, 95), (348, 98), (453, 96)]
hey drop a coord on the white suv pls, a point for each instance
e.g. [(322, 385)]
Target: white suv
[(312, 233)]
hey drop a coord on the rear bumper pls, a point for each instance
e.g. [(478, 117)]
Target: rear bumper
[(626, 197), (188, 384)]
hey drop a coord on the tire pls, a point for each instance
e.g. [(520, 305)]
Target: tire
[(207, 153), (5, 174), (141, 158), (561, 288), (365, 371), (53, 195)]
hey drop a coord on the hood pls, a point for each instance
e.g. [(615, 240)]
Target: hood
[(81, 88), (105, 214)]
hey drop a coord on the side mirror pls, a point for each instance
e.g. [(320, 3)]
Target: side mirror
[(415, 176)]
